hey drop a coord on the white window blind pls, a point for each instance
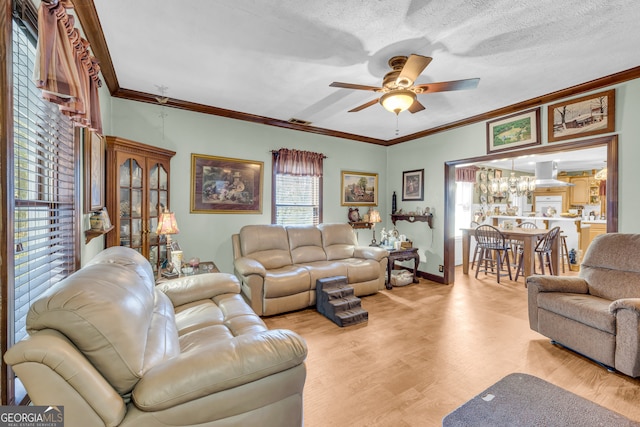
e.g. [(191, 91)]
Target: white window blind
[(44, 204), (297, 200)]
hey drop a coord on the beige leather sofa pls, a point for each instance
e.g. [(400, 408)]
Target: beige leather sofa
[(596, 314), (116, 350), (278, 266)]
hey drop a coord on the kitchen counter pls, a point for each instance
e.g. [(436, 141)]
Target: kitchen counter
[(536, 218)]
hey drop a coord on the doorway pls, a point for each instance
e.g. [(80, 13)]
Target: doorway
[(611, 144)]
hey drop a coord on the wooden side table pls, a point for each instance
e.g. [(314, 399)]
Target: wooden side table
[(402, 255), (204, 267)]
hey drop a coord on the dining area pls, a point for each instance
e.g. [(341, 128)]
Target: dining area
[(511, 250)]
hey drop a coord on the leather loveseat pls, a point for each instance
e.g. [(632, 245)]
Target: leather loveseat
[(116, 350), (596, 314), (278, 266)]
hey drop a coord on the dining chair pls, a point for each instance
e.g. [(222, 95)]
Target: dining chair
[(517, 244), (543, 251), (494, 251)]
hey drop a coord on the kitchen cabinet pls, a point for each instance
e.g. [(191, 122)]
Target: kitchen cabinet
[(137, 192), (589, 231), (580, 192)]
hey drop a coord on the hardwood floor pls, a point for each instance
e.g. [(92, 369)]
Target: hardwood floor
[(428, 348)]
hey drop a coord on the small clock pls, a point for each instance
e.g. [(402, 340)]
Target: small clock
[(354, 215)]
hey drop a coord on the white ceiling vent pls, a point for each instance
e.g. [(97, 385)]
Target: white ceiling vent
[(298, 121)]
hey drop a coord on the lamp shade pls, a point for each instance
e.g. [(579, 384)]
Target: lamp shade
[(374, 216), (398, 100), (167, 224)]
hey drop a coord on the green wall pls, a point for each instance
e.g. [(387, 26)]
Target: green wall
[(209, 235)]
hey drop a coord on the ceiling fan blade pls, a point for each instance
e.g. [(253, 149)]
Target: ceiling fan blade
[(415, 107), (446, 86), (363, 106), (355, 86), (412, 69)]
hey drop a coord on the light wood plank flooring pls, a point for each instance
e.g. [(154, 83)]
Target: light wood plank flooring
[(428, 348)]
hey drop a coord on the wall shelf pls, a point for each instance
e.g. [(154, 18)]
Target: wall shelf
[(360, 224), (92, 234), (413, 218)]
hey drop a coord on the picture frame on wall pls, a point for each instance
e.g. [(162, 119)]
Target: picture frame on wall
[(517, 130), (94, 154), (584, 116), (413, 185), (225, 185), (359, 189)]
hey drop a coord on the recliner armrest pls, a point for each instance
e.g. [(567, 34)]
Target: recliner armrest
[(573, 285), (214, 366), (184, 290), (248, 266), (370, 252), (625, 303), (53, 370)]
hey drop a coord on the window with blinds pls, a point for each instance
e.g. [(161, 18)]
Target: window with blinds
[(45, 206), (297, 200)]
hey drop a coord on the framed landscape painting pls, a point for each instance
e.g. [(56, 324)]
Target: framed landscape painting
[(225, 185), (359, 189), (585, 116), (93, 171), (514, 131)]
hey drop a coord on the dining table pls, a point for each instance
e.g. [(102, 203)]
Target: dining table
[(529, 237)]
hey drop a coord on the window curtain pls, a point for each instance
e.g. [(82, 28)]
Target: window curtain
[(298, 163), (466, 174), (65, 70)]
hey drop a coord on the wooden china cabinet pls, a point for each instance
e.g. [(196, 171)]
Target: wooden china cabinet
[(137, 192)]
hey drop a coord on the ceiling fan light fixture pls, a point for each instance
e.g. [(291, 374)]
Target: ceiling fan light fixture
[(397, 101)]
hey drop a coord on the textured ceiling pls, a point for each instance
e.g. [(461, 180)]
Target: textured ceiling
[(276, 59)]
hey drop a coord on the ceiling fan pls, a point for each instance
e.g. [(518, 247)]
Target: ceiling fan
[(398, 89)]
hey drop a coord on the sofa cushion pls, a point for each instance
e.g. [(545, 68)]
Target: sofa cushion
[(362, 270), (338, 240), (305, 244), (610, 266), (324, 269), (113, 316), (586, 309), (267, 244), (285, 281)]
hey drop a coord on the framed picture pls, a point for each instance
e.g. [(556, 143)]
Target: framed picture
[(588, 115), (498, 173), (93, 171), (413, 185), (359, 189), (514, 131), (175, 246), (225, 185)]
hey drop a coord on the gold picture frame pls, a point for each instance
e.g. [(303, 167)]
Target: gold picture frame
[(359, 189), (225, 185)]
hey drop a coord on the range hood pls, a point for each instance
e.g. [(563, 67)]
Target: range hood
[(547, 175)]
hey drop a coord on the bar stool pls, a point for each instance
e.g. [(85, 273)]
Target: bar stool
[(491, 241), (475, 224), (564, 254)]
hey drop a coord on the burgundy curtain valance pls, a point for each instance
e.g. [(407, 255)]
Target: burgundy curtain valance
[(298, 163), (65, 70), (466, 174)]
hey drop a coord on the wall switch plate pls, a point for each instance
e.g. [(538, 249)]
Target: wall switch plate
[(441, 268)]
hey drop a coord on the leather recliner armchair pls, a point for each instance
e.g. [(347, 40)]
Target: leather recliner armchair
[(116, 350)]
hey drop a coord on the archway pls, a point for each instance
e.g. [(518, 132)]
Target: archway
[(611, 142)]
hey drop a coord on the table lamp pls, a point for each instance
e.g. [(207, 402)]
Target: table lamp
[(167, 226), (374, 217)]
